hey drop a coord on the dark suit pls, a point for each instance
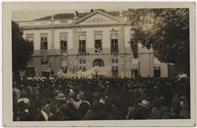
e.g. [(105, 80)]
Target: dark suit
[(141, 112), (39, 117)]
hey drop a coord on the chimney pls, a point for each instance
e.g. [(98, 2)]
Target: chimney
[(120, 13), (91, 10), (52, 17), (76, 14)]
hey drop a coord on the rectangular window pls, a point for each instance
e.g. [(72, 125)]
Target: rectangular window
[(84, 69), (115, 71), (98, 42), (63, 42), (44, 42), (98, 45), (114, 46), (80, 61), (82, 46), (135, 73), (84, 61), (114, 67), (44, 61), (63, 45), (64, 68), (114, 60)]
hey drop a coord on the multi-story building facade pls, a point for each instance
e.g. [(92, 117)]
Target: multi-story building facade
[(71, 43)]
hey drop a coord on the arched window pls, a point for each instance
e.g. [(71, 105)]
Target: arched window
[(98, 62)]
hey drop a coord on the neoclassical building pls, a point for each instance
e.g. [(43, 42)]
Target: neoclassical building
[(76, 43)]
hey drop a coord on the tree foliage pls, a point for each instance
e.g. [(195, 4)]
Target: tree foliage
[(21, 49), (166, 30)]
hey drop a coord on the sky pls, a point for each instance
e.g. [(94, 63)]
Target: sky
[(29, 14)]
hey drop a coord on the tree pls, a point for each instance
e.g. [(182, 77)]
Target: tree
[(167, 30), (22, 49)]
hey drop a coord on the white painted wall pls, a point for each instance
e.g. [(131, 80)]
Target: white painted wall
[(146, 65), (164, 70), (105, 31), (146, 61), (90, 38), (127, 35)]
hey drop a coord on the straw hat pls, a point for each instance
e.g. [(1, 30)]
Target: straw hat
[(60, 96), (145, 104), (107, 82)]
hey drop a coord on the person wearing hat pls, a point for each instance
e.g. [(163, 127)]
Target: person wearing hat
[(22, 113), (60, 96), (43, 112), (142, 111), (58, 106), (57, 112), (81, 105), (24, 98)]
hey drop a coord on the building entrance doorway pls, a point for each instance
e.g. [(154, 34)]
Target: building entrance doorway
[(157, 72), (135, 73)]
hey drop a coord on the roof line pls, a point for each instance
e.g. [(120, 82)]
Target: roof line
[(94, 12)]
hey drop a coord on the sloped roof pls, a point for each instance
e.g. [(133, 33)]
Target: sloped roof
[(58, 16), (61, 16)]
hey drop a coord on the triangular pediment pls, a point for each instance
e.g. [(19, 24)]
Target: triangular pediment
[(98, 19)]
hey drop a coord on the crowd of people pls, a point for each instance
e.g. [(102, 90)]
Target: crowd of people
[(56, 99)]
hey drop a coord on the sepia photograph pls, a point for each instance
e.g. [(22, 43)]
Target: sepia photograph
[(101, 63)]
